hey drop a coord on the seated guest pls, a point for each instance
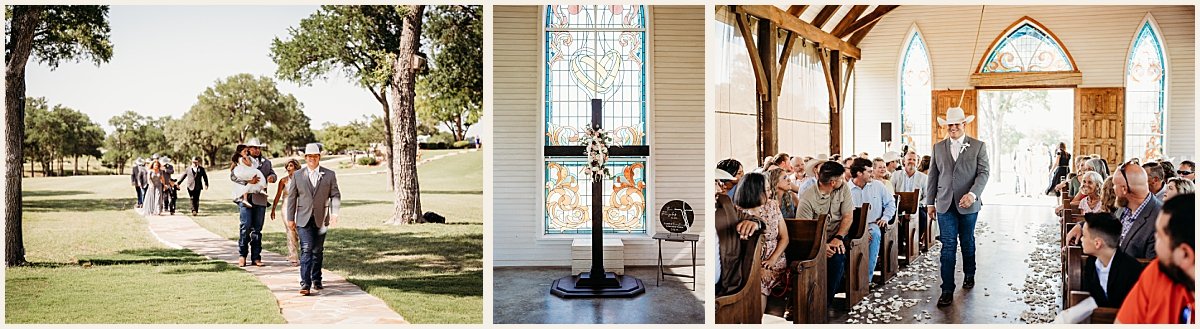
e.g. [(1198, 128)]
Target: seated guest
[(1178, 185), (863, 189), (1072, 183), (892, 161), (734, 168), (1099, 166), (753, 199), (1108, 196), (811, 168), (1108, 273), (924, 166), (1168, 169), (908, 180), (783, 192), (881, 174), (734, 233), (1089, 194), (1187, 169), (1137, 211), (831, 197), (1166, 291), (1156, 178)]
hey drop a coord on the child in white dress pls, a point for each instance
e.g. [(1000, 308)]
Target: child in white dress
[(243, 170)]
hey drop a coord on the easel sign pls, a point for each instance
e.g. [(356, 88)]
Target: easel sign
[(676, 217)]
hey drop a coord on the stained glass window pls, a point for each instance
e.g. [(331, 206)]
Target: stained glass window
[(915, 95), (594, 52), (1027, 48), (1145, 101)]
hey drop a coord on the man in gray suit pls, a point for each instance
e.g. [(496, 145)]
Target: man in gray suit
[(137, 178), (250, 227), (1138, 210), (195, 179), (313, 189), (958, 172)]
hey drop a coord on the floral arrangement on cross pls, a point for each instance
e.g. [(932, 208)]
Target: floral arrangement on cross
[(597, 142)]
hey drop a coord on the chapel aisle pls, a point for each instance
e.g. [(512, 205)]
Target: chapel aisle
[(1015, 248)]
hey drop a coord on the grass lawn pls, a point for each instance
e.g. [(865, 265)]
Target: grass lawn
[(129, 276), (429, 273)]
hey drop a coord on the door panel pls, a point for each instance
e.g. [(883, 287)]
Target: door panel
[(1100, 123)]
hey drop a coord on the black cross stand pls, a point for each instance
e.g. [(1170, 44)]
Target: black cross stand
[(597, 283)]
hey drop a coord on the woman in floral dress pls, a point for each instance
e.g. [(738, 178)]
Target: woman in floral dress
[(753, 198)]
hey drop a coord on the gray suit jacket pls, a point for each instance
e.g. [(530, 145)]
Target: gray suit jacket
[(304, 202), (194, 180), (264, 165), (1139, 241), (137, 176), (949, 180)]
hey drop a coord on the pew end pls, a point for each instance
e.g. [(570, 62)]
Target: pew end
[(806, 255), (745, 306)]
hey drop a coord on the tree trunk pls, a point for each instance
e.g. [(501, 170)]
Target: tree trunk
[(404, 76), (20, 45), (75, 165), (87, 166), (391, 144)]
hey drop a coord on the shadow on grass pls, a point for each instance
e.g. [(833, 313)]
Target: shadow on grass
[(44, 193), (405, 261), (78, 205), (208, 266), (228, 208), (143, 256), (476, 192)]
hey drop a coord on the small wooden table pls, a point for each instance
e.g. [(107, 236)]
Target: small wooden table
[(677, 237)]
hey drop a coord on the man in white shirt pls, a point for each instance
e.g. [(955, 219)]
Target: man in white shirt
[(864, 189), (313, 188), (908, 180), (1108, 273)]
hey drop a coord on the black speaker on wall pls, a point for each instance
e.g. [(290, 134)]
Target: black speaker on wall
[(885, 132)]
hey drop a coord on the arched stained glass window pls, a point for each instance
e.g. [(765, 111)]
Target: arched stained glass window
[(915, 95), (594, 52), (1027, 47), (1145, 94)]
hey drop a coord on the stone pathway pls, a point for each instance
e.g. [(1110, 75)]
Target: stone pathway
[(341, 302)]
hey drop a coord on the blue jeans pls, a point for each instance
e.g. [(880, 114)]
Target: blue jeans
[(956, 228), (312, 250), (836, 267), (141, 193), (873, 250), (250, 231)]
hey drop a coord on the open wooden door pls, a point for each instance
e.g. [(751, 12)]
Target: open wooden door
[(945, 99), (1100, 123)]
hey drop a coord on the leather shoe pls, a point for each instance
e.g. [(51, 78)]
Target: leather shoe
[(318, 286), (241, 261), (304, 292), (969, 282), (945, 299), (258, 263)]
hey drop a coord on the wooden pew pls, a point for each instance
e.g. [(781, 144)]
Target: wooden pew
[(806, 257), (857, 251), (745, 306), (889, 251), (1100, 315), (908, 226), (1072, 275)]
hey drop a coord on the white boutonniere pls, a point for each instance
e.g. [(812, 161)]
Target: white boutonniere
[(965, 145)]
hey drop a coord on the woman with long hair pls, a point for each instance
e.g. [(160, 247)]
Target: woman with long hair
[(782, 192), (1060, 167), (289, 224), (1108, 196), (154, 194), (753, 198)]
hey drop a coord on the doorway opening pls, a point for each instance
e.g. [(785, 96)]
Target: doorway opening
[(1023, 128)]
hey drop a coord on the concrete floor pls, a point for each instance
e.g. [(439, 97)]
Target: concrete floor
[(522, 295), (1006, 238)]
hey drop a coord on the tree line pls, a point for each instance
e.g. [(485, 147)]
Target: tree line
[(379, 47)]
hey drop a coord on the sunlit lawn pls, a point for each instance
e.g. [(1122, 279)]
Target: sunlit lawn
[(94, 261), (429, 273)]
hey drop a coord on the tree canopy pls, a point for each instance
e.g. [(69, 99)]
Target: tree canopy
[(451, 93), (65, 33)]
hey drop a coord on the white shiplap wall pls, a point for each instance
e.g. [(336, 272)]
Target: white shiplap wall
[(676, 117), (1098, 37)]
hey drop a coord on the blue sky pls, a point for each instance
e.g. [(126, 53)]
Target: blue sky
[(164, 56)]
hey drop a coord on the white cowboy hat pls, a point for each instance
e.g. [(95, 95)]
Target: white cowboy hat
[(722, 175), (955, 115), (821, 156), (891, 156), (811, 164), (164, 160), (312, 148), (139, 162), (154, 157), (253, 141)]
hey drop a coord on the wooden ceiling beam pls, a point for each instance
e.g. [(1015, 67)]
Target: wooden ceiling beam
[(862, 23), (858, 36), (760, 77), (796, 10), (848, 20), (801, 28), (824, 16)]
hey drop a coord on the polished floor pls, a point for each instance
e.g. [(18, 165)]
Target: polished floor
[(522, 295), (1016, 278)]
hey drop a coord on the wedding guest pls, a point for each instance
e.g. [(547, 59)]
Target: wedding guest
[(1108, 273), (1187, 169), (753, 198), (782, 192), (734, 233), (1137, 210), (1156, 178), (1060, 165), (865, 189), (137, 178), (313, 188), (194, 180), (734, 168), (831, 197), (251, 219), (154, 191), (289, 224), (170, 189), (1177, 186), (1166, 290)]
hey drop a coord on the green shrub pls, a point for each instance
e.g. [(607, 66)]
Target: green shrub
[(460, 144), (367, 161)]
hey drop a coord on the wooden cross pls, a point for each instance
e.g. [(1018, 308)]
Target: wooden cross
[(597, 282)]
